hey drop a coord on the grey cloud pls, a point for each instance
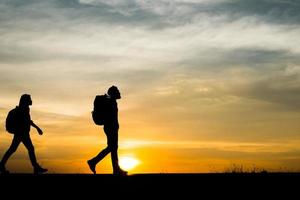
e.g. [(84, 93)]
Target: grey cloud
[(174, 13), (57, 13), (34, 20), (250, 57), (20, 55), (281, 88), (182, 12), (275, 81), (152, 14), (272, 11), (218, 59)]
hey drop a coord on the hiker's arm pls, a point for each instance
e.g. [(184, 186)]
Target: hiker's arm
[(37, 128)]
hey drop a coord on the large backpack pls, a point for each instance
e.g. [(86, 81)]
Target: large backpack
[(11, 123), (99, 113)]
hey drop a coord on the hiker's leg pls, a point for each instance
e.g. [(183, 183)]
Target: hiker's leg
[(114, 153), (100, 156), (113, 146), (103, 153), (29, 146), (13, 147)]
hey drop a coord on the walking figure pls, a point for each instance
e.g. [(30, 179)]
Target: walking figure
[(106, 113), (18, 122)]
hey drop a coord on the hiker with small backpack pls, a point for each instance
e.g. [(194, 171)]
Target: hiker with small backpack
[(106, 113), (18, 123)]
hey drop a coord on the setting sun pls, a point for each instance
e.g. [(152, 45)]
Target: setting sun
[(128, 163)]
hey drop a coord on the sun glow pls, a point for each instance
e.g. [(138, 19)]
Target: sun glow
[(128, 163)]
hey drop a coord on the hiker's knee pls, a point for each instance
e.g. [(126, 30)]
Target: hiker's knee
[(30, 148), (12, 149), (113, 147)]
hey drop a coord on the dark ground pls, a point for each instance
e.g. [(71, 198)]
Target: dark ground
[(239, 186)]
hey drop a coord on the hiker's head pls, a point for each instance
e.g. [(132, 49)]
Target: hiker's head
[(25, 100), (114, 92)]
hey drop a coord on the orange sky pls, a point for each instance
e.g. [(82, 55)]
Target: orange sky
[(70, 141)]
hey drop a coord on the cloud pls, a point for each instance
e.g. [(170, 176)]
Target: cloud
[(264, 82), (280, 87), (181, 11), (72, 30), (275, 11), (163, 12), (190, 55)]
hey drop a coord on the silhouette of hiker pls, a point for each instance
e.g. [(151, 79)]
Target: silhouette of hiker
[(111, 128), (21, 134)]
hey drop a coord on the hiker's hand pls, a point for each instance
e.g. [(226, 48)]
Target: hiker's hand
[(39, 131)]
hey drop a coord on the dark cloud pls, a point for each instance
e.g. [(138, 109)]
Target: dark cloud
[(279, 88), (272, 11), (178, 13), (58, 13), (156, 14), (256, 56), (23, 55), (22, 21), (217, 59)]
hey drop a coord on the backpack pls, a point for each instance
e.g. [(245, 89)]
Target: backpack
[(99, 113), (11, 123)]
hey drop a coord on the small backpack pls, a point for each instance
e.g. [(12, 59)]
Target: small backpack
[(99, 113), (11, 122)]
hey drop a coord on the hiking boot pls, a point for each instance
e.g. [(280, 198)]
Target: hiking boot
[(39, 170), (3, 170), (92, 166), (120, 172)]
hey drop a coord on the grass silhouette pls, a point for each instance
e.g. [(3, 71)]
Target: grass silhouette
[(236, 168)]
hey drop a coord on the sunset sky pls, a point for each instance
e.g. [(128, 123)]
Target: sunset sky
[(205, 84)]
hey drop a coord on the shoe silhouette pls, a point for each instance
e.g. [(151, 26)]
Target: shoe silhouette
[(3, 170), (92, 166), (39, 170), (120, 172)]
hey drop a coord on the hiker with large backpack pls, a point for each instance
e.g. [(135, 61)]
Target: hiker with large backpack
[(106, 113), (18, 123)]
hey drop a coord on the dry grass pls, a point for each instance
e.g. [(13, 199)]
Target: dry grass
[(235, 168)]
